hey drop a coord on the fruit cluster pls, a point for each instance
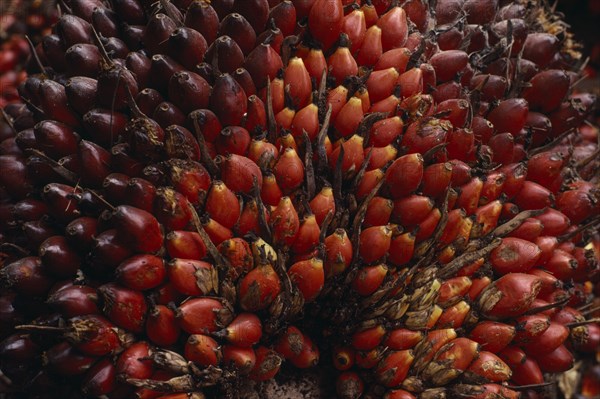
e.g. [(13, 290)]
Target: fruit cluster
[(199, 194)]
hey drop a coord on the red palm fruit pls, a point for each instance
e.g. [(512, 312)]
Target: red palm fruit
[(26, 276), (157, 32), (544, 167), (404, 175), (514, 255), (386, 131), (188, 91), (455, 357), (534, 196), (256, 116), (355, 27), (380, 84), (202, 350), (58, 257), (238, 173), (267, 364), (402, 248), (549, 282), (492, 187), (202, 17), (337, 98), (369, 180), (130, 317), (306, 119), (137, 228), (363, 94), (452, 229), (394, 28), (482, 128), (479, 284), (216, 231), (509, 296), (325, 21), (92, 335), (453, 290), (322, 204), (309, 276), (461, 142), (368, 359), (263, 63), (244, 331), (66, 360), (289, 170), (222, 204), (517, 108), (343, 357), (53, 101), (167, 114), (425, 134), (529, 230), (284, 222), (284, 118), (412, 210), (100, 379), (448, 64), (353, 156), (428, 226), (242, 359), (554, 222), (502, 146), (248, 220), (491, 87), (187, 177), (516, 174), (493, 336), (469, 195), (436, 178), (375, 242), (371, 48), (410, 82), (270, 192), (233, 140), (172, 209), (134, 362), (576, 204), (259, 288), (192, 277), (461, 172), (315, 63), (161, 326), (81, 93), (369, 338), (453, 316), (378, 212), (290, 343), (298, 79), (561, 265), (55, 138), (398, 394), (396, 58), (538, 98), (107, 252), (530, 327), (187, 46), (456, 111), (228, 99), (540, 48), (74, 300), (489, 367), (185, 244), (308, 356), (559, 360), (237, 252), (349, 385), (307, 237), (86, 57), (380, 156), (349, 117), (208, 123), (237, 27), (203, 315), (401, 339), (393, 369), (525, 370), (369, 279), (284, 15), (338, 252), (141, 272)]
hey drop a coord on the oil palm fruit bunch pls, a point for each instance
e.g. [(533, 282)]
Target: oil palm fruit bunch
[(201, 196)]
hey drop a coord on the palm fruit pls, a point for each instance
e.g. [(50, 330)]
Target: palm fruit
[(199, 198)]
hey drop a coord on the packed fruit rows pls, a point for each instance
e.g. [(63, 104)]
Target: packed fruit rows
[(200, 196)]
